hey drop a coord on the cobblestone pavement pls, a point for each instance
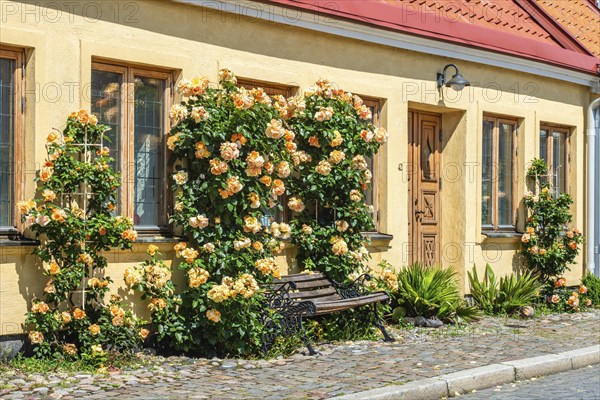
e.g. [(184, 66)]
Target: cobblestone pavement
[(340, 368), (580, 384)]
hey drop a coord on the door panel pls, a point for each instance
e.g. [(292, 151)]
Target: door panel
[(424, 151)]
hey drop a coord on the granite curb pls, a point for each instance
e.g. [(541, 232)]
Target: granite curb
[(461, 382)]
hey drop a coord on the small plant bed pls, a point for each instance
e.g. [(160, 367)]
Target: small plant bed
[(426, 296)]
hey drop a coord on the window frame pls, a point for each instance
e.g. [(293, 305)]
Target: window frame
[(550, 129), (271, 89), (497, 120), (126, 160), (18, 55), (376, 105)]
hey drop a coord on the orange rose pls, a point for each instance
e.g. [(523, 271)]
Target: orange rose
[(78, 313)]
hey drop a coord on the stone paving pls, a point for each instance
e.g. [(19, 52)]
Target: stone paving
[(341, 368), (583, 384)]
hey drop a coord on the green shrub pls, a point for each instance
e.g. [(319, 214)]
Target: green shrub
[(592, 283), (504, 296), (433, 292)]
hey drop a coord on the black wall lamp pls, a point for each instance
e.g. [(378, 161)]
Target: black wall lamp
[(457, 82)]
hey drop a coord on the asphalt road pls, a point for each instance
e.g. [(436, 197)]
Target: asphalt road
[(581, 384)]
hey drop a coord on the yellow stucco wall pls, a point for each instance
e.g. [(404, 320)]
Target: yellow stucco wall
[(188, 40)]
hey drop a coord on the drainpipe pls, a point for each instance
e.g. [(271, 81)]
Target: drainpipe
[(591, 187)]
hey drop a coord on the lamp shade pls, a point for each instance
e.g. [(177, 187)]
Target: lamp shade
[(457, 82)]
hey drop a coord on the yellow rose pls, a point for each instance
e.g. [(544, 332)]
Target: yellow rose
[(213, 315), (94, 329), (181, 177), (52, 137), (66, 317), (143, 333), (36, 337), (152, 249), (251, 224), (70, 349)]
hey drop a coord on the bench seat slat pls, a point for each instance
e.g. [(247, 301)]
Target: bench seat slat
[(314, 284), (311, 294), (300, 277), (328, 307)]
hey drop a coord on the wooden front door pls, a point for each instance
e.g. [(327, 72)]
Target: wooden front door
[(424, 185)]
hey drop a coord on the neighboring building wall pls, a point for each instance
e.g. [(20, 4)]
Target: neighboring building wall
[(190, 40)]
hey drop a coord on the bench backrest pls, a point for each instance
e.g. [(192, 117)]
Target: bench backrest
[(316, 287)]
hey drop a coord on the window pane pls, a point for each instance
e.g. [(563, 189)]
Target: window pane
[(106, 105), (369, 193), (7, 68), (505, 174), (487, 172), (544, 145), (559, 163), (148, 150)]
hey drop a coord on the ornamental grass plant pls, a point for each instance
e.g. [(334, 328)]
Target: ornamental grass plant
[(506, 295), (432, 292)]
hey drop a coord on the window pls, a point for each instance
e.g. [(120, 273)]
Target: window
[(498, 173), (554, 149), (11, 119), (272, 89), (372, 193), (134, 103)]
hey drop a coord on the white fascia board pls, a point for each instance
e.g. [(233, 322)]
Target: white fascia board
[(310, 20)]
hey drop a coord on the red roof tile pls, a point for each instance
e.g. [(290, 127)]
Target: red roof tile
[(580, 17), (503, 15)]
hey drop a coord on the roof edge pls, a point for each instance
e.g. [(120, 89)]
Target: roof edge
[(384, 16)]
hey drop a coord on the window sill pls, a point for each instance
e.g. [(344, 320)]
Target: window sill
[(378, 238), (157, 238), (501, 236), (17, 241)]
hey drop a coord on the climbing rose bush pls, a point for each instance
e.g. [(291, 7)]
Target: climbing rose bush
[(549, 244), (237, 153), (334, 136), (233, 151), (74, 230)]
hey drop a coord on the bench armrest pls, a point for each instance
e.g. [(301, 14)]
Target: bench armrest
[(353, 289), (279, 299)]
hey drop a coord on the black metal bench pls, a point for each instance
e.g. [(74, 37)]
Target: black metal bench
[(294, 297)]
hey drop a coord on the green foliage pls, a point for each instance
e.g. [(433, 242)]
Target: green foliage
[(73, 219), (548, 244), (592, 283), (432, 292), (505, 296)]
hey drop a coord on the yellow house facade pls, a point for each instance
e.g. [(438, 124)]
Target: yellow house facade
[(447, 186)]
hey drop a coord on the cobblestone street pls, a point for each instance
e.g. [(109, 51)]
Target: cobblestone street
[(339, 369), (580, 384)]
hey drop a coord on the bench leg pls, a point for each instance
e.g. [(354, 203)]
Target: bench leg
[(305, 338), (379, 323)]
